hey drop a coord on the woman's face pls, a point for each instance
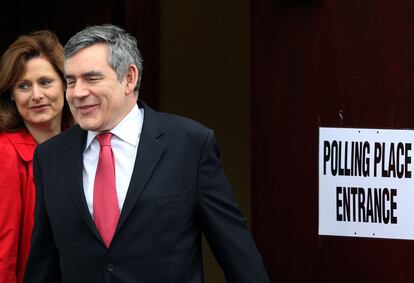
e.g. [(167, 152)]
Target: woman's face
[(39, 94)]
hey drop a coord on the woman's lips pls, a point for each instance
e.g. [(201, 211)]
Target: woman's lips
[(39, 108)]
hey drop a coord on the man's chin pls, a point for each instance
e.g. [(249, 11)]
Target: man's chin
[(88, 125)]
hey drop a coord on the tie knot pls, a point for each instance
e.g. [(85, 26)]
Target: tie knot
[(104, 139)]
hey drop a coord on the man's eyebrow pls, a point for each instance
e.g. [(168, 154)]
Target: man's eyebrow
[(86, 75), (92, 74), (68, 77)]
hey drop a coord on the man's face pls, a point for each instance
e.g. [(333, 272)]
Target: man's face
[(96, 98)]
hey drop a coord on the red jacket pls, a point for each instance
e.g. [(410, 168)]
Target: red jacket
[(17, 198)]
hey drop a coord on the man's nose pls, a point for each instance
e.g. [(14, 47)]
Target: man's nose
[(78, 90)]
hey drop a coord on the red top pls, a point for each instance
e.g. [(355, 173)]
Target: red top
[(17, 199)]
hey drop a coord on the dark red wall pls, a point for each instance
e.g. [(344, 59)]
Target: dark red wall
[(323, 63)]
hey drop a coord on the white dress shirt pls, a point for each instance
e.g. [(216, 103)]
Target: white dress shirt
[(124, 143)]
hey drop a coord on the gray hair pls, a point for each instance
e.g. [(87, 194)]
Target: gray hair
[(122, 48)]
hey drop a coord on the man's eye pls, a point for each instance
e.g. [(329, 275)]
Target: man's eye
[(92, 79), (70, 83)]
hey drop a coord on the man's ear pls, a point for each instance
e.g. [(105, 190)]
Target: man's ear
[(131, 79)]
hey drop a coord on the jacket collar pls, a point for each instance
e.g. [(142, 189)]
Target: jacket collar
[(150, 150), (24, 144)]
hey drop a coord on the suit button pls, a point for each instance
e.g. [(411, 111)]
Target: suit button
[(110, 267)]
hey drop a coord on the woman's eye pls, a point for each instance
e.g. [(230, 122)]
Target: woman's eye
[(45, 82), (23, 86)]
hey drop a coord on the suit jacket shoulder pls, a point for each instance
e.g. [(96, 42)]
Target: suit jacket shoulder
[(72, 137), (177, 128), (155, 123)]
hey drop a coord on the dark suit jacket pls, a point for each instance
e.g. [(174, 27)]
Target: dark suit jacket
[(178, 190)]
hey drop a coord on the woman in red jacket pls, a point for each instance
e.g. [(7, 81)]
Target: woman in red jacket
[(32, 110)]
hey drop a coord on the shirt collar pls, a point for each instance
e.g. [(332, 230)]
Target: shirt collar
[(128, 130)]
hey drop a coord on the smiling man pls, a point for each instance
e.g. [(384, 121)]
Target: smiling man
[(125, 195)]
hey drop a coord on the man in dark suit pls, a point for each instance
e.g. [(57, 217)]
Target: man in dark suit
[(131, 208)]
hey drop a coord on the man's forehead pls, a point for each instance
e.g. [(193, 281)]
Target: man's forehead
[(84, 65), (93, 53)]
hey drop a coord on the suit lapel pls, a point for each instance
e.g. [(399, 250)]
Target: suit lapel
[(74, 165), (149, 152)]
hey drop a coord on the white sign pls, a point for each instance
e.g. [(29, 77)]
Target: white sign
[(366, 184)]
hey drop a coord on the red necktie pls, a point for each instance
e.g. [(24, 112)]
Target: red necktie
[(105, 199)]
